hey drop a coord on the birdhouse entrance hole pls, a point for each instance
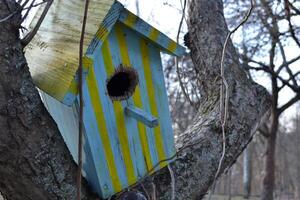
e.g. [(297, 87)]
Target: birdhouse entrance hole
[(122, 83)]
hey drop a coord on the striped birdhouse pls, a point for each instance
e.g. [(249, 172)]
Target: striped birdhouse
[(127, 124)]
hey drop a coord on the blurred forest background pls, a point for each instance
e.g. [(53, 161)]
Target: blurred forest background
[(269, 48)]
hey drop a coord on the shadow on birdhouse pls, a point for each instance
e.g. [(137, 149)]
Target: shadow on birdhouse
[(127, 124)]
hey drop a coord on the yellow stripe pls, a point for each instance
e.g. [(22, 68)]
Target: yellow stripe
[(119, 114), (136, 97), (96, 103), (153, 35), (172, 46), (73, 87), (130, 20), (87, 63), (101, 33), (151, 94)]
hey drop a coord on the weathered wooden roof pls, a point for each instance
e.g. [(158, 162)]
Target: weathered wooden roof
[(53, 54)]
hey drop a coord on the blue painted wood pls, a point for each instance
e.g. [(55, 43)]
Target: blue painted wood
[(131, 125), (141, 116), (106, 26), (109, 115), (96, 146), (144, 29), (66, 119), (96, 167), (136, 62), (162, 100)]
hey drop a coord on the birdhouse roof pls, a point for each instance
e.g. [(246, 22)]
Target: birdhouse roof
[(53, 54)]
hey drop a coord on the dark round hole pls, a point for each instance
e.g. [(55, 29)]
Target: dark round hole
[(122, 83)]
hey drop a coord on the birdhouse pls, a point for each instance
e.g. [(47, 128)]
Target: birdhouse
[(127, 124)]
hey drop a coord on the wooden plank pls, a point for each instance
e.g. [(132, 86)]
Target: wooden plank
[(101, 124), (53, 54), (140, 98), (67, 121), (129, 55), (164, 116), (109, 116), (123, 135), (151, 33), (153, 102), (141, 116)]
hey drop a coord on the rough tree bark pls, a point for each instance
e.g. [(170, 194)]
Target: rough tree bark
[(35, 163), (195, 167), (269, 166)]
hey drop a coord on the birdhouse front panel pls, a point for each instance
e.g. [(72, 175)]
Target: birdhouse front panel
[(127, 122)]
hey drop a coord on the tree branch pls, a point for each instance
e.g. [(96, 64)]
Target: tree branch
[(289, 103), (27, 39)]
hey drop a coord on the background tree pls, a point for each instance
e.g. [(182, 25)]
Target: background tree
[(35, 163), (268, 39)]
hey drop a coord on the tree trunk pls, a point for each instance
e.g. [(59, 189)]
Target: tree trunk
[(297, 131), (269, 170), (247, 171), (35, 163), (229, 184)]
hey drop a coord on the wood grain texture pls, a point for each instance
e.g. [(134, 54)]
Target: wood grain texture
[(53, 53)]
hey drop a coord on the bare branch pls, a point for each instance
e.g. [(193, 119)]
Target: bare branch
[(287, 66), (28, 10), (288, 17), (289, 103), (287, 63), (80, 89), (225, 101), (176, 59), (9, 16), (27, 39)]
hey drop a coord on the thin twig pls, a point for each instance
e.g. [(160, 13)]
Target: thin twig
[(176, 59), (225, 101), (153, 191), (80, 73), (145, 190), (9, 16), (27, 39), (172, 182), (28, 10), (35, 5)]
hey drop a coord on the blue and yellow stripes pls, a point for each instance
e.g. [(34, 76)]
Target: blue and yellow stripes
[(125, 59), (118, 13), (106, 26), (120, 121), (130, 148), (72, 91), (151, 93), (101, 125), (149, 32)]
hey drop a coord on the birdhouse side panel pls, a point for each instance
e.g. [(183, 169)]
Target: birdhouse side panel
[(66, 119)]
